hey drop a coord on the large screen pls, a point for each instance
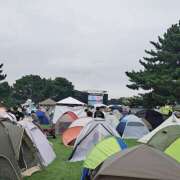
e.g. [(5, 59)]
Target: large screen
[(94, 99)]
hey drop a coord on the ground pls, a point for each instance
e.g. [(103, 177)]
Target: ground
[(61, 169)]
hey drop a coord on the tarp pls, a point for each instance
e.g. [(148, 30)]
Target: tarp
[(139, 163), (172, 120), (90, 135), (40, 141)]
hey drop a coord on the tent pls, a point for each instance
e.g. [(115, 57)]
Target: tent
[(48, 102), (100, 153), (81, 122), (132, 127), (165, 137), (70, 135), (174, 150), (60, 110), (152, 117), (70, 102), (64, 121), (20, 152), (172, 120), (91, 134), (9, 168), (139, 163), (40, 141), (103, 150)]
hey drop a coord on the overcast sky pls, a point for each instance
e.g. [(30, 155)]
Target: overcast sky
[(90, 42)]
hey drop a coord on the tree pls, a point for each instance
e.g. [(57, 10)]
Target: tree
[(161, 70), (29, 87), (2, 76), (36, 88)]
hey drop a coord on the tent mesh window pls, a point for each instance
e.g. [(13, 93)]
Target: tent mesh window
[(137, 124), (7, 172)]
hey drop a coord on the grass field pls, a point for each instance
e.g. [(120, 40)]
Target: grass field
[(60, 169)]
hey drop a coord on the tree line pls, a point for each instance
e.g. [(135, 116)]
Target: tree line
[(36, 88)]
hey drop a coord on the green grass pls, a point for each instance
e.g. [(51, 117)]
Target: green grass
[(60, 169)]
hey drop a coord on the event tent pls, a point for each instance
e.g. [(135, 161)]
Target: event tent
[(132, 127), (139, 163), (48, 102), (91, 134), (70, 102)]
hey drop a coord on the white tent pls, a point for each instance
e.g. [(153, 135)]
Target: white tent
[(40, 141), (60, 110), (81, 122), (172, 120), (70, 101), (90, 135), (132, 127)]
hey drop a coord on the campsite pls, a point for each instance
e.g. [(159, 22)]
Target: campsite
[(89, 90)]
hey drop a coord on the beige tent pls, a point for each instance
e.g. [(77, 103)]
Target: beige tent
[(48, 102), (139, 163)]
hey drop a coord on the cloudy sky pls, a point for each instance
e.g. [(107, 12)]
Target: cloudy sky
[(90, 42)]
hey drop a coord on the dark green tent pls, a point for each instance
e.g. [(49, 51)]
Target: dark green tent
[(17, 152)]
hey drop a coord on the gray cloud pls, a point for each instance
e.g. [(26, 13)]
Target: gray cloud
[(92, 43)]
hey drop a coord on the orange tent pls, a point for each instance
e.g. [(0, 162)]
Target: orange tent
[(70, 135)]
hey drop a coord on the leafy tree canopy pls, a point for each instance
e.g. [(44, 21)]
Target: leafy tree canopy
[(161, 70)]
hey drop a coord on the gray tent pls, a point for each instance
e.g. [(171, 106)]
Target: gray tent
[(139, 163), (17, 153)]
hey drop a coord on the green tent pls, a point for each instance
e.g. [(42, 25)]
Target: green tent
[(103, 150), (174, 150), (165, 137), (9, 168), (17, 152)]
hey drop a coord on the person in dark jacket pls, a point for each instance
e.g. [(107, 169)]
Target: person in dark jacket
[(99, 114)]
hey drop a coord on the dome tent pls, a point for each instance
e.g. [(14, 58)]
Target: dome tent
[(40, 141), (23, 154), (95, 131), (127, 165), (172, 120), (132, 127)]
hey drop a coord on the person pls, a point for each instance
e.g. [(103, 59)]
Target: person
[(89, 114), (99, 114), (34, 117)]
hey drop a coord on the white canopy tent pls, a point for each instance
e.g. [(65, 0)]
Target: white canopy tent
[(70, 101)]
